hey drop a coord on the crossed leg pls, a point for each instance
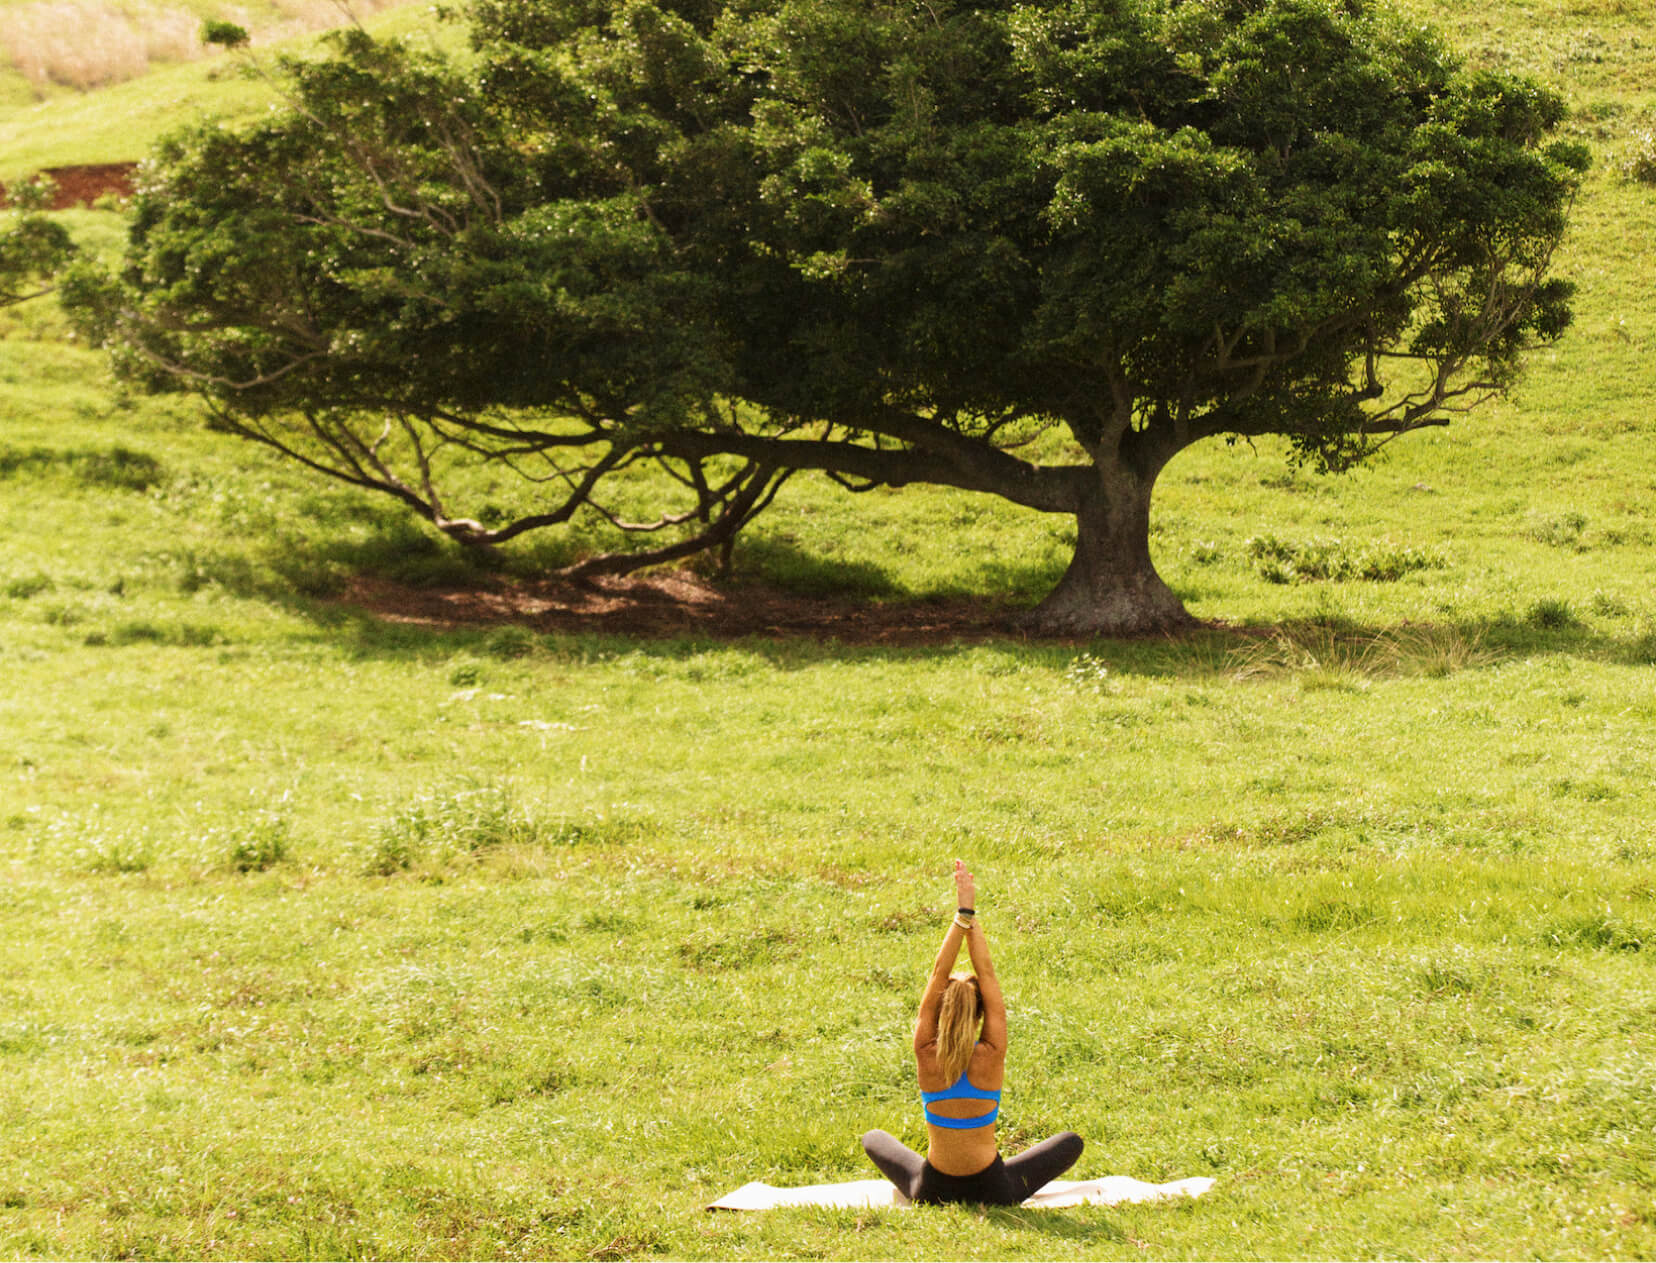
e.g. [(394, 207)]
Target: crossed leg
[(897, 1162), (1032, 1168), (1026, 1173)]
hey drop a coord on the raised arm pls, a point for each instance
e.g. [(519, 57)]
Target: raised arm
[(925, 1027), (994, 1005)]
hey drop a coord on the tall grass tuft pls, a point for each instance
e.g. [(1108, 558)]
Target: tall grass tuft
[(252, 845), (443, 825)]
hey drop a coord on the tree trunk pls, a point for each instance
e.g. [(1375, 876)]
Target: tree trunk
[(1111, 587)]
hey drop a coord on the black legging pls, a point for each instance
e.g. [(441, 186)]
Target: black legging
[(1001, 1183)]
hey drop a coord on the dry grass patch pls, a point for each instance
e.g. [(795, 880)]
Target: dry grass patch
[(1333, 657), (89, 44)]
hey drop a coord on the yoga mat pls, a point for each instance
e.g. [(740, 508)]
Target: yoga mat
[(1112, 1190)]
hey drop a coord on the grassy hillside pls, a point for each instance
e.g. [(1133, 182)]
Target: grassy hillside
[(120, 123), (333, 935)]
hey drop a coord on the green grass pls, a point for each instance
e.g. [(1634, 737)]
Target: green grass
[(328, 936)]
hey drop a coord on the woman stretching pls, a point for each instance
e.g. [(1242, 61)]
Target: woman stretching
[(960, 1052)]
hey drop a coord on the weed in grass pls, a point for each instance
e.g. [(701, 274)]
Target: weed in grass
[(194, 572), (1608, 604), (1458, 973), (1589, 789), (249, 846), (445, 825), (25, 586), (1551, 613), (1314, 649), (1560, 530), (1596, 931), (465, 671), (1089, 674), (510, 642), (1640, 163), (1438, 651), (1640, 650), (726, 947), (312, 577), (105, 849), (1207, 552), (1377, 561)]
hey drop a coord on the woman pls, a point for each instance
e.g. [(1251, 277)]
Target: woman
[(960, 1052)]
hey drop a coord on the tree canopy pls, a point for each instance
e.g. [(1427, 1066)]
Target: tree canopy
[(889, 241), (32, 247)]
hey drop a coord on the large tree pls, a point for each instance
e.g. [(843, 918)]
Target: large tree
[(896, 241)]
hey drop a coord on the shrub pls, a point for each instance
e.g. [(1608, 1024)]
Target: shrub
[(224, 34)]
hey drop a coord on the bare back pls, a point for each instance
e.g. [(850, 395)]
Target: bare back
[(961, 1151)]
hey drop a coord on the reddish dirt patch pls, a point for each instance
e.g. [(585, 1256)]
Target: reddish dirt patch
[(683, 604), (81, 186)]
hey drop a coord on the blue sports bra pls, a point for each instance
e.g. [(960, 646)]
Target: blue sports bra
[(961, 1090)]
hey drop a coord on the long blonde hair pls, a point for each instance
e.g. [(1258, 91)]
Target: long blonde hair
[(958, 1022)]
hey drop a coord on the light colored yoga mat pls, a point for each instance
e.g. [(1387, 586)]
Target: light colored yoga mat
[(1112, 1190)]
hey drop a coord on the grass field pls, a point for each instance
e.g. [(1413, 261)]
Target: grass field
[(329, 936)]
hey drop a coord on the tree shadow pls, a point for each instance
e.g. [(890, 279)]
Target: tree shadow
[(390, 589)]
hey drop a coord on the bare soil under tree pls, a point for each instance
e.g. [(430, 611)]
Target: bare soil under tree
[(683, 604)]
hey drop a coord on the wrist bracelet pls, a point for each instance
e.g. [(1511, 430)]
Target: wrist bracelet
[(965, 925), (967, 912)]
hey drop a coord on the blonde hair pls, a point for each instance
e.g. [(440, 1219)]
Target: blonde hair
[(958, 1022)]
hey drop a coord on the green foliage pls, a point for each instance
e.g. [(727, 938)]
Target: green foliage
[(33, 247), (223, 34)]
